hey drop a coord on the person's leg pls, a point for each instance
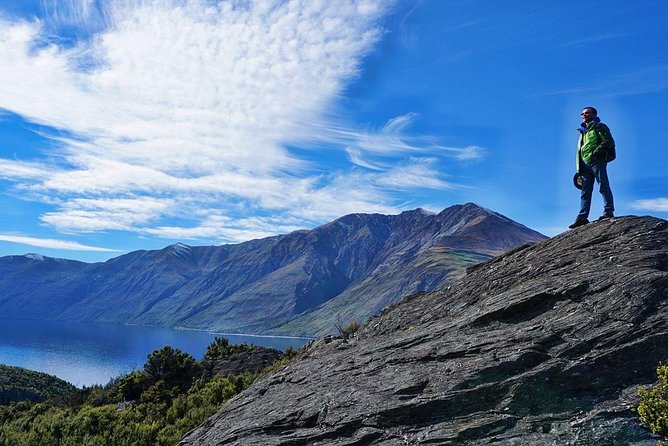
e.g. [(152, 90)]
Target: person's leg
[(586, 191), (601, 173)]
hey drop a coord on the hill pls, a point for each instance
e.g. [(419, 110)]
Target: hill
[(544, 345), (18, 384), (153, 406), (301, 283)]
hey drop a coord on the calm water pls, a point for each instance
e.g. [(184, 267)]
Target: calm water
[(86, 354)]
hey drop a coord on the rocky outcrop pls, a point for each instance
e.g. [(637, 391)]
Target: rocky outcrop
[(543, 346), (249, 361)]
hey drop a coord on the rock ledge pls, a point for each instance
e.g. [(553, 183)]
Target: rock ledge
[(544, 346)]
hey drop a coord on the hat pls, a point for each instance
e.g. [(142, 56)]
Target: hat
[(577, 180)]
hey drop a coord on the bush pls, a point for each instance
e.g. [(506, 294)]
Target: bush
[(170, 397), (653, 407), (172, 366), (221, 348), (348, 331), (131, 386)]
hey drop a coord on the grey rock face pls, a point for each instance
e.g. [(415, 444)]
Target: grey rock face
[(546, 345), (250, 361)]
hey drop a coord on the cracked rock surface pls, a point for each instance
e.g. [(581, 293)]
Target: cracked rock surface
[(545, 345), (251, 361)]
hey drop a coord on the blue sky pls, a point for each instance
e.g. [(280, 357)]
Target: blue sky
[(136, 124)]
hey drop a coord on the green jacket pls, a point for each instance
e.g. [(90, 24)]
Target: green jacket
[(595, 143)]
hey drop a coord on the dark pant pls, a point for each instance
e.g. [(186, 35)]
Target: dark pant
[(598, 171)]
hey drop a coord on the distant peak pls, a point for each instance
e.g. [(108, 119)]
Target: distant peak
[(179, 248), (420, 211), (34, 256), (466, 207), (474, 206)]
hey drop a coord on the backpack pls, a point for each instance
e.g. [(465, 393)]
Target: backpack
[(610, 150)]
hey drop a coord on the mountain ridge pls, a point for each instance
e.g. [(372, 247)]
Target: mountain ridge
[(299, 283)]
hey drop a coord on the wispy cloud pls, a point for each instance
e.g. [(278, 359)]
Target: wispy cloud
[(367, 148), (415, 174), (193, 124), (593, 39), (393, 139), (221, 227), (91, 215), (22, 170), (644, 80), (51, 243), (652, 204)]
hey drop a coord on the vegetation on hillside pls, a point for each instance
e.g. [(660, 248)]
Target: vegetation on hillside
[(154, 406), (17, 384), (653, 407), (221, 348), (349, 330)]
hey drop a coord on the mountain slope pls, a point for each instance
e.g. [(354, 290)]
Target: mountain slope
[(298, 283), (446, 243), (545, 345)]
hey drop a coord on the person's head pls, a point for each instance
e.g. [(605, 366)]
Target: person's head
[(588, 113)]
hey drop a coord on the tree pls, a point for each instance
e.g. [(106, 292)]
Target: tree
[(174, 367), (221, 348), (132, 385)]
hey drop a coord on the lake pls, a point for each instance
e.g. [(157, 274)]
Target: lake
[(85, 353)]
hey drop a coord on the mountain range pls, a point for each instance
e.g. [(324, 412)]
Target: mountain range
[(303, 283)]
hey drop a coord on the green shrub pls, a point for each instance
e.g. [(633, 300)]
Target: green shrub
[(17, 384), (169, 398), (131, 386), (221, 348), (172, 366), (653, 407)]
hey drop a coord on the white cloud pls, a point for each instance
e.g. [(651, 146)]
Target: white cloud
[(356, 156), (51, 243), (368, 148), (652, 204), (181, 110), (90, 215), (218, 227), (418, 173), (467, 153), (24, 170)]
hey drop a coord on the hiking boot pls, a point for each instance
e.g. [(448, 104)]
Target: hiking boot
[(606, 216), (579, 222)]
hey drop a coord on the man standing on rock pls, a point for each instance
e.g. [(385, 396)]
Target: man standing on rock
[(596, 149)]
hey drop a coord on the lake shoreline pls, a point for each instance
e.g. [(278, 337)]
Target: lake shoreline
[(90, 353)]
